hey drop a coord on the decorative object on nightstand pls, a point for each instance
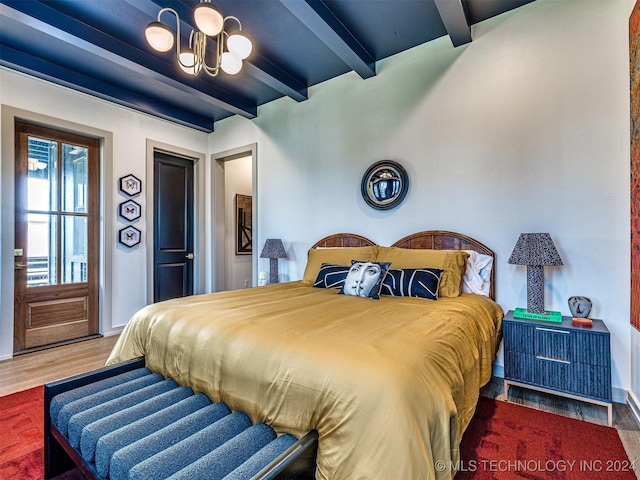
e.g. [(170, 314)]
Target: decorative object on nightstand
[(579, 306), (536, 250), (273, 250), (559, 359)]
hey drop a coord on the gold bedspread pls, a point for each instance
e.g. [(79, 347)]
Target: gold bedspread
[(389, 384)]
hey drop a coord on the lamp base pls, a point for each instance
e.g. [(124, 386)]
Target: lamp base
[(273, 271), (547, 316)]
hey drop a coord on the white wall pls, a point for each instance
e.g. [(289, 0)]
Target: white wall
[(526, 129), (237, 180), (127, 131)]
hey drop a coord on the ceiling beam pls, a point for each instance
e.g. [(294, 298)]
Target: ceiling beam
[(91, 40), (331, 31), (266, 72), (37, 67), (455, 21), (256, 66)]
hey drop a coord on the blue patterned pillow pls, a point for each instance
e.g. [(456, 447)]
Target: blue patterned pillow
[(412, 282), (365, 279), (331, 276)]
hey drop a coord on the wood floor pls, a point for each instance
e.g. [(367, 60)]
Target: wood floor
[(33, 369), (36, 368)]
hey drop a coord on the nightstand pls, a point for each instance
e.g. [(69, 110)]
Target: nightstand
[(558, 358)]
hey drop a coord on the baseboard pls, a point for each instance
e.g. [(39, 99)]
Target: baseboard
[(634, 407), (111, 333)]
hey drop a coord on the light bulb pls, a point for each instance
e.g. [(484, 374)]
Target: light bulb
[(188, 62), (159, 36), (239, 45), (230, 63), (208, 19)]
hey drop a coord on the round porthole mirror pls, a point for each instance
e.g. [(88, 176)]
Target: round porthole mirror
[(384, 185)]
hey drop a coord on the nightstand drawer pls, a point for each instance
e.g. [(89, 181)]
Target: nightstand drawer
[(592, 381), (591, 348), (519, 337), (554, 374), (519, 366), (553, 344)]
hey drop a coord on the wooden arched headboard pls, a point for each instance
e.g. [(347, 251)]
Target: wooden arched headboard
[(342, 240), (445, 240)]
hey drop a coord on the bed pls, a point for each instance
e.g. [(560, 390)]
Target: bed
[(390, 385)]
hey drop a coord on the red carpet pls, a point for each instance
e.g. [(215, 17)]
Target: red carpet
[(21, 440), (504, 441), (508, 441)]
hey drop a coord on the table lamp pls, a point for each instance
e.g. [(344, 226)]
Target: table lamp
[(273, 250), (535, 250)]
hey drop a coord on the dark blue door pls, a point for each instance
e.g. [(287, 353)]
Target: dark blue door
[(173, 225)]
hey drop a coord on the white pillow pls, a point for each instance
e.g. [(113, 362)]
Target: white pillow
[(477, 276)]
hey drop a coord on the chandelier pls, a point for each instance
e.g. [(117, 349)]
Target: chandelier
[(230, 49)]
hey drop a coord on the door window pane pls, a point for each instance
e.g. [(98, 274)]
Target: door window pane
[(41, 249), (42, 178), (74, 178), (74, 249)]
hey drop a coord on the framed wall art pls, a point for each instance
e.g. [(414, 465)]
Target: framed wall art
[(129, 236), (130, 185), (384, 185), (244, 237), (130, 210)]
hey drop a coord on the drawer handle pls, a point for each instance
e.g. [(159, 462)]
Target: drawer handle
[(540, 357), (552, 330)]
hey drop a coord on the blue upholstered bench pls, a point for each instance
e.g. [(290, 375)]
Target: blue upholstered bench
[(128, 423)]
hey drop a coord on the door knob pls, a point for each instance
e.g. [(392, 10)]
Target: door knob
[(19, 266), (189, 256)]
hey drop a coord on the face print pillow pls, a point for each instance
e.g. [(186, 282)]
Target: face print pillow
[(365, 279)]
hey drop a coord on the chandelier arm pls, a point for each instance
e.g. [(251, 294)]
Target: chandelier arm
[(167, 9), (220, 44), (231, 17), (213, 71)]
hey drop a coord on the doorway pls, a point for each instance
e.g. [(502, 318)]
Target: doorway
[(234, 182), (57, 242), (173, 233)]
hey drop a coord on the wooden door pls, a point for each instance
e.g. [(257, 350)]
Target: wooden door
[(173, 227), (56, 256)]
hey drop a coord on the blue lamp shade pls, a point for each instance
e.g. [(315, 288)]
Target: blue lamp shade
[(535, 250), (273, 250)]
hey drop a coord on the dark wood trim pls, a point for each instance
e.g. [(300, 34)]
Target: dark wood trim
[(346, 240)]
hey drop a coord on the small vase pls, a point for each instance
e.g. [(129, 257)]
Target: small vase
[(579, 306)]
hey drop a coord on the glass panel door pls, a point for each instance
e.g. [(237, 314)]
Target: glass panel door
[(57, 213), (42, 200), (57, 236)]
